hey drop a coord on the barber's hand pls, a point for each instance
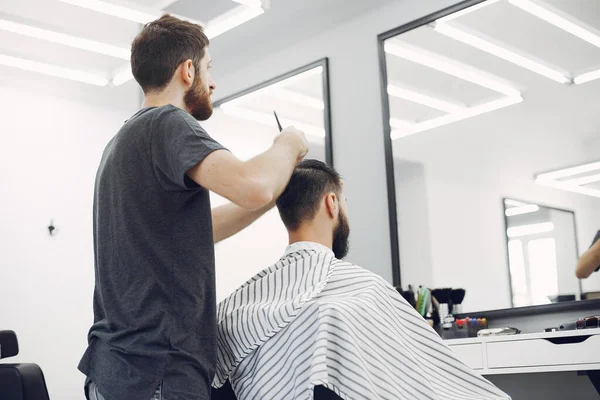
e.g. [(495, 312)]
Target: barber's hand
[(296, 139)]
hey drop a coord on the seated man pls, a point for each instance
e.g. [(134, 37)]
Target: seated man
[(312, 320)]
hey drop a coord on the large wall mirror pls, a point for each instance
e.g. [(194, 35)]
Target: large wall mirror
[(491, 110), (245, 124)]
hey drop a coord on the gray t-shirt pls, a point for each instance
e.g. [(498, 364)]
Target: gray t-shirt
[(154, 299)]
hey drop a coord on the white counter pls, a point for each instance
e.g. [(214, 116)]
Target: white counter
[(577, 350)]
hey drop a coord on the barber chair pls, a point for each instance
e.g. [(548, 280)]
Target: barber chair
[(19, 381)]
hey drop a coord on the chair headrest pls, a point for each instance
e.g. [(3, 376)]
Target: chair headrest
[(9, 346)]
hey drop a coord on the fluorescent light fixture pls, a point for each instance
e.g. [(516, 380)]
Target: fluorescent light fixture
[(298, 98), (252, 3), (122, 75), (584, 180), (574, 185), (450, 67), (231, 19), (466, 11), (526, 209), (397, 123), (513, 203), (53, 70), (423, 99), (450, 118), (274, 87), (115, 10), (571, 171), (588, 76), (533, 229), (568, 187), (501, 52), (557, 20), (66, 40), (269, 120)]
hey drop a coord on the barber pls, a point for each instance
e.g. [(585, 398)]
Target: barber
[(590, 260), (154, 330)]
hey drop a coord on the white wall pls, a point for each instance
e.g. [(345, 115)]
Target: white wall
[(50, 149), (356, 115)]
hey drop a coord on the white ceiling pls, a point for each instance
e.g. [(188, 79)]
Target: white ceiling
[(241, 45), (551, 128)]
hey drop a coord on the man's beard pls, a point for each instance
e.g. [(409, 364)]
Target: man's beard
[(341, 234), (197, 101)]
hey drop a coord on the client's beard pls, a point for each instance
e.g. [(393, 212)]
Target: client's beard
[(197, 101), (341, 233)]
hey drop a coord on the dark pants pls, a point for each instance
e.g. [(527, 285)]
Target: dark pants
[(226, 393)]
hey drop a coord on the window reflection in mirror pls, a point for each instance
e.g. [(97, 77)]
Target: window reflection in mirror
[(246, 125), (485, 101)]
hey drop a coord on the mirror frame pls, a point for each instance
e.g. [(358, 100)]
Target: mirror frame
[(323, 62), (387, 140), (506, 239)]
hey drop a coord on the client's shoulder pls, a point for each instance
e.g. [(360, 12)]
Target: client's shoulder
[(346, 271)]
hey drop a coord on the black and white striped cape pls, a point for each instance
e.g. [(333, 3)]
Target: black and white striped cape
[(314, 320)]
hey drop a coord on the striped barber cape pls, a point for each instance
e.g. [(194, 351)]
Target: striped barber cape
[(314, 320)]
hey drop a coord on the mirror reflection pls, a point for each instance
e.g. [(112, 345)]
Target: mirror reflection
[(497, 101), (542, 249), (245, 124)]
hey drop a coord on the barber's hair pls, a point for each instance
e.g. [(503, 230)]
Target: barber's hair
[(300, 201), (161, 47)]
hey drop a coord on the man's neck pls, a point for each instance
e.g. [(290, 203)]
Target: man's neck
[(163, 98), (311, 234)]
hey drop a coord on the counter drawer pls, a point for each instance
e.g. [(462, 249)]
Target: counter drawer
[(470, 354), (541, 352)]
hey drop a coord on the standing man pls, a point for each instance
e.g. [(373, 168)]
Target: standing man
[(154, 331)]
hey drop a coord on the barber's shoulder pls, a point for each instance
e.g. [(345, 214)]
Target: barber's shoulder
[(176, 117)]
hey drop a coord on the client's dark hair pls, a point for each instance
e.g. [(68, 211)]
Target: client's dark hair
[(310, 181)]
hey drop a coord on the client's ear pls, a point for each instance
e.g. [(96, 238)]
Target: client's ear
[(331, 203)]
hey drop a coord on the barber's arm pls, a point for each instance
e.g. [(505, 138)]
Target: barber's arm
[(589, 261), (252, 186), (230, 219)]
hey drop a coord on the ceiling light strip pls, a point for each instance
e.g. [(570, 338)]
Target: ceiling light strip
[(520, 210), (450, 67), (53, 70), (280, 84), (63, 39), (568, 187), (584, 180), (526, 230), (557, 20), (571, 171), (501, 52), (587, 77), (297, 98), (451, 118), (267, 119), (423, 99), (231, 19), (514, 203), (468, 10), (127, 13)]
